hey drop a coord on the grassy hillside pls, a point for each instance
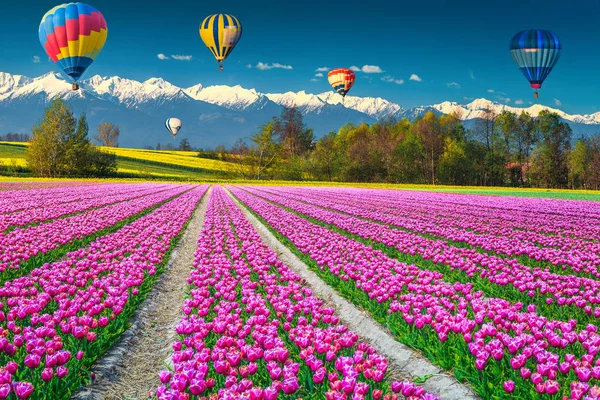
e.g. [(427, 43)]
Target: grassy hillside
[(138, 163)]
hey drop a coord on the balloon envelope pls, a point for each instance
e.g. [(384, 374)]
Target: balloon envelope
[(73, 35), (341, 80), (536, 52), (220, 33), (173, 125)]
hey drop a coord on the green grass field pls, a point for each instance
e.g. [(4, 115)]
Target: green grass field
[(171, 165)]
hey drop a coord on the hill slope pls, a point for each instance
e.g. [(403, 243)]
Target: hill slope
[(140, 163)]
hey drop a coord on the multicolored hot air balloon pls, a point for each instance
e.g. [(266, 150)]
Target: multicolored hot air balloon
[(173, 125), (341, 80), (73, 35), (535, 52), (220, 33)]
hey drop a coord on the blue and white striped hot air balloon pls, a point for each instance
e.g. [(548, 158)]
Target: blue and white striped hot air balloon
[(536, 52), (173, 125)]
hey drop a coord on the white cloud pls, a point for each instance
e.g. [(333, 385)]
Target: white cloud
[(367, 69), (415, 77), (468, 98), (557, 102), (161, 56), (391, 79), (248, 65), (471, 74), (181, 58), (453, 85), (265, 66), (507, 100), (36, 59), (322, 69), (314, 80), (371, 69), (319, 75), (519, 102), (491, 90)]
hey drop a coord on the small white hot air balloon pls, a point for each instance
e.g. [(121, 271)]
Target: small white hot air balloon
[(173, 125)]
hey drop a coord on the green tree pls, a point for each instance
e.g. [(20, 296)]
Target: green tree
[(46, 152), (428, 130), (578, 161), (77, 149), (265, 151), (324, 162), (408, 160), (551, 169), (453, 166), (508, 126), (593, 170), (60, 146)]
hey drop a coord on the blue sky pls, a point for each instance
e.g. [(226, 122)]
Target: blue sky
[(458, 50)]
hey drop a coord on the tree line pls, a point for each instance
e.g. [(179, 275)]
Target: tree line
[(14, 137), (500, 149), (60, 147)]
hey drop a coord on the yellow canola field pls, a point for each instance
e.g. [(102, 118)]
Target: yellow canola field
[(172, 157)]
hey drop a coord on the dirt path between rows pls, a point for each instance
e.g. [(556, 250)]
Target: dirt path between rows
[(403, 361), (129, 371)]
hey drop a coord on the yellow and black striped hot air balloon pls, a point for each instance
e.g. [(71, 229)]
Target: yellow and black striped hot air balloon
[(220, 33)]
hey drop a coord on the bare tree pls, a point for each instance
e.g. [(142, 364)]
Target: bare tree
[(485, 127), (108, 134), (239, 156)]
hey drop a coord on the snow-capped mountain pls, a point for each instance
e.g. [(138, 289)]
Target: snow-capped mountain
[(9, 82), (476, 108), (215, 114), (230, 97)]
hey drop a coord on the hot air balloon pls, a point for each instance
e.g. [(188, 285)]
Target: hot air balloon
[(173, 125), (73, 35), (341, 80), (535, 52), (220, 33)]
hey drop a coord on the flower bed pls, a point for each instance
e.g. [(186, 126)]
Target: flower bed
[(502, 348), (64, 315), (252, 330)]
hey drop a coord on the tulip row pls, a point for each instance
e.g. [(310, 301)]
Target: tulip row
[(495, 276), (503, 349), (251, 330), (61, 317), (34, 197), (85, 199), (25, 248), (14, 186), (536, 241)]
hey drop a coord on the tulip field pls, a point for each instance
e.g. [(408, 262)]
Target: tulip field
[(251, 329), (58, 317), (501, 292)]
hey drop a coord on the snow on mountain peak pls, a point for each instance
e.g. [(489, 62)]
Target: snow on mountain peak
[(157, 91), (307, 102), (373, 106), (232, 97), (9, 82), (51, 84), (159, 82)]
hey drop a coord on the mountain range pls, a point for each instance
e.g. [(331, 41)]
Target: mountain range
[(216, 114)]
